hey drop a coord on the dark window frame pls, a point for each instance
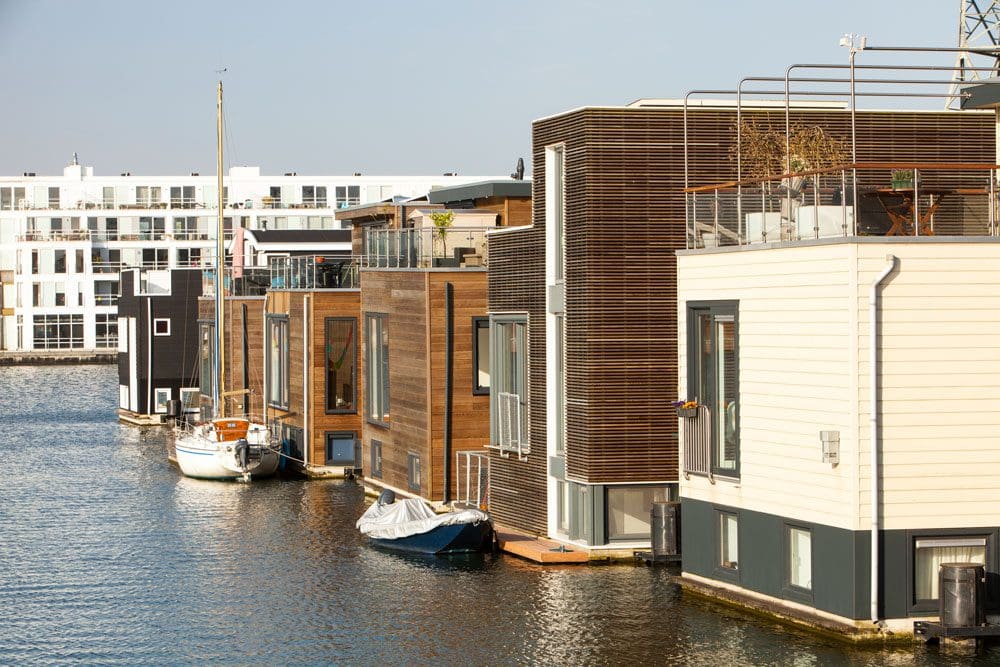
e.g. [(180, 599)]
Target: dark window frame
[(789, 590), (284, 362), (413, 481), (725, 307), (340, 435), (916, 607), (479, 322), (375, 455), (353, 410), (381, 382), (719, 569)]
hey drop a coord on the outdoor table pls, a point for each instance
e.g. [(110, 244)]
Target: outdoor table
[(901, 212)]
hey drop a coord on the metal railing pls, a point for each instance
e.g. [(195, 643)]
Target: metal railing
[(472, 475), (509, 426), (863, 199), (696, 433), (426, 247), (56, 235), (312, 272)]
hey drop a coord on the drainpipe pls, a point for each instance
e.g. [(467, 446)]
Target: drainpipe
[(149, 357), (306, 435), (873, 357), (246, 366), (449, 352)]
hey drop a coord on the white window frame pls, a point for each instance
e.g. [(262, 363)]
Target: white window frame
[(159, 320), (157, 393), (186, 404), (509, 422)]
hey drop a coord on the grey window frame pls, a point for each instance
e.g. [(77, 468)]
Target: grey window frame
[(726, 307), (789, 590), (377, 377), (281, 400), (478, 323), (496, 363), (720, 570), (353, 410), (375, 454), (915, 607), (413, 466), (340, 435)]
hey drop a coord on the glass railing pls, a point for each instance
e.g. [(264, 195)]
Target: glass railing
[(313, 272), (427, 247)]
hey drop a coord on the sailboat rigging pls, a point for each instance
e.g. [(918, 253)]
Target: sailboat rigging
[(223, 446)]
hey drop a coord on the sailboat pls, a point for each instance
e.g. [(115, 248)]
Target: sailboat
[(224, 446)]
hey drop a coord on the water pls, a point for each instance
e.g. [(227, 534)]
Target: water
[(109, 556)]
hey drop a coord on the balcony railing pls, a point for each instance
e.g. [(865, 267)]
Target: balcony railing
[(696, 433), (864, 199), (183, 203), (423, 248), (67, 235), (313, 272), (472, 475)]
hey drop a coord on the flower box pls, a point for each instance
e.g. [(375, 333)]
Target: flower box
[(687, 413)]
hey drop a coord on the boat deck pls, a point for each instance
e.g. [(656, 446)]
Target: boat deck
[(538, 549)]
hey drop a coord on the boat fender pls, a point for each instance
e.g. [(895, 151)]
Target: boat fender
[(387, 497), (242, 448)]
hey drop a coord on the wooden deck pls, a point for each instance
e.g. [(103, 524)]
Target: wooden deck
[(538, 549)]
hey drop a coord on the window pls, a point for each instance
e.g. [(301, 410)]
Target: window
[(314, 195), (182, 196), (376, 462), (106, 326), (480, 355), (60, 261), (190, 399), (413, 471), (53, 332), (206, 358), (79, 265), (348, 195), (146, 195), (341, 364), (713, 377), (628, 510), (555, 158), (189, 257), (160, 398), (799, 557), (53, 197), (509, 383), (340, 448), (161, 326), (277, 361), (377, 367), (930, 552), (729, 543)]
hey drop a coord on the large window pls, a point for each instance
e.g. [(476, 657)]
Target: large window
[(277, 361), (377, 367), (54, 332), (314, 195), (628, 510), (928, 555), (713, 377), (509, 383), (107, 330), (480, 355), (349, 195), (341, 364)]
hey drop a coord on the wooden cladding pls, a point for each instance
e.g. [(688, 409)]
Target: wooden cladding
[(624, 222)]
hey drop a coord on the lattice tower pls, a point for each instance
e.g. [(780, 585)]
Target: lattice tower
[(978, 28)]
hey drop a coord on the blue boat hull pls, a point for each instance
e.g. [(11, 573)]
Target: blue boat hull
[(459, 538)]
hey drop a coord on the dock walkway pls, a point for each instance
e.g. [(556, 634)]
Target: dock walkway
[(538, 549)]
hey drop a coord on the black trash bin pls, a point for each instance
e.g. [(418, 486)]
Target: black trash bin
[(665, 528), (962, 594)]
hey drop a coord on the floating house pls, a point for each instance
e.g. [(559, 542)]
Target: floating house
[(425, 348), (583, 303), (843, 446)]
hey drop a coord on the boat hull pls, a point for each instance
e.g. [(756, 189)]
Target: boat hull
[(203, 454), (211, 463), (450, 539)]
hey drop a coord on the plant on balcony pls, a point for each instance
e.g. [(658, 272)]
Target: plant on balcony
[(686, 408), (442, 222), (902, 179), (763, 153)]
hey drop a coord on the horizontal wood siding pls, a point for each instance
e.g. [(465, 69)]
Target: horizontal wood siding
[(518, 493), (402, 295)]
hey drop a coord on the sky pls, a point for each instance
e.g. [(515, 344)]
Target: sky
[(383, 87)]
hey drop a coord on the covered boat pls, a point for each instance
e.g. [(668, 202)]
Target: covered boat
[(411, 525)]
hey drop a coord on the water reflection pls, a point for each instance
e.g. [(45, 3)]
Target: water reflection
[(108, 555)]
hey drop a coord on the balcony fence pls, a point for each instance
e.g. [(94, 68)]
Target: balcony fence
[(426, 247)]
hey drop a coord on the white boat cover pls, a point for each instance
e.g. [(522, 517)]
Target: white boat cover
[(410, 516)]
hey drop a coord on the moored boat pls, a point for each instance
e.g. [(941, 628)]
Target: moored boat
[(411, 525)]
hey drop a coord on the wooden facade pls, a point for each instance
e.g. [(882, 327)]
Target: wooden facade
[(414, 302), (624, 219), (233, 309), (306, 421)]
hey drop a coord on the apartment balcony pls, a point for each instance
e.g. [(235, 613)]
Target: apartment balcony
[(62, 236), (905, 200), (425, 248), (312, 272)]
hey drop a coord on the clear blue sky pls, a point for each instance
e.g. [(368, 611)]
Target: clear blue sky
[(383, 87)]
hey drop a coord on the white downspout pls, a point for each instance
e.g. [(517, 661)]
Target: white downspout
[(873, 356)]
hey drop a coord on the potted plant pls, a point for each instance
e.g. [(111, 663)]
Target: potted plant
[(686, 409), (902, 179), (442, 221)]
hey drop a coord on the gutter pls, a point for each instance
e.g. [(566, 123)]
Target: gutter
[(873, 418)]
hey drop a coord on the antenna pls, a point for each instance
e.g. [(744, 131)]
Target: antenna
[(978, 30)]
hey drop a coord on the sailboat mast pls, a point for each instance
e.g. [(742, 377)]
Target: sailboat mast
[(220, 267)]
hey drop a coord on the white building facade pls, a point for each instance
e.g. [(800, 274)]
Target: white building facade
[(64, 239)]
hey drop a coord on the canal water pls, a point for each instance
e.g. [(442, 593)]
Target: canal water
[(109, 556)]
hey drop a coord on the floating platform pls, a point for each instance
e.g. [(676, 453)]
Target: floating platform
[(57, 357), (649, 558), (931, 630), (538, 549)]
